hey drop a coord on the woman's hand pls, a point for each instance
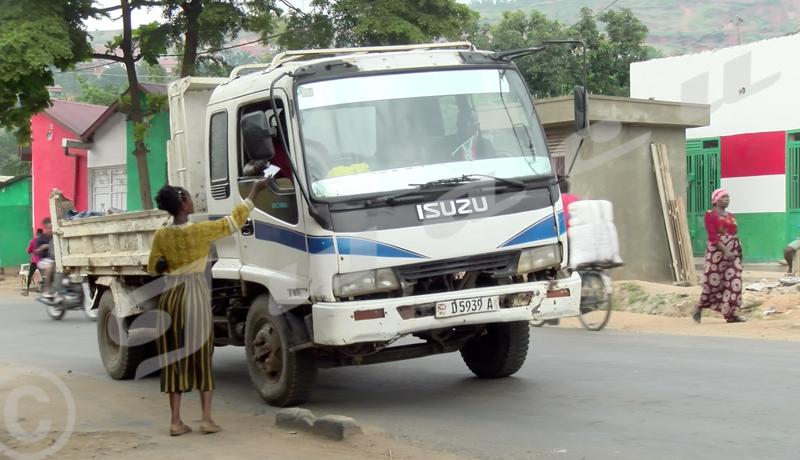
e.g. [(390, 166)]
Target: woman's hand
[(729, 255), (258, 187)]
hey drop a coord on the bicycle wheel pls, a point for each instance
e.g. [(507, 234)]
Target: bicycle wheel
[(596, 301)]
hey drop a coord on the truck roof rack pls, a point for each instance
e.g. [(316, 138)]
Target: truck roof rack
[(293, 55)]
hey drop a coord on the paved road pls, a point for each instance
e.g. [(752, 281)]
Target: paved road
[(581, 395)]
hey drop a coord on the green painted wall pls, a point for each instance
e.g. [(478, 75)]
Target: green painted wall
[(764, 235), (15, 209), (156, 160)]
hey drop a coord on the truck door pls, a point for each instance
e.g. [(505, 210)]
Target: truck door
[(273, 244), (222, 163)]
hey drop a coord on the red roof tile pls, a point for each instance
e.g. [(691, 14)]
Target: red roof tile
[(74, 116)]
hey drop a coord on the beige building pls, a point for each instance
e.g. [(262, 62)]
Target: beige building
[(616, 164)]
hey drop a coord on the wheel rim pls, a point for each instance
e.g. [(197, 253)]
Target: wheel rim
[(53, 311), (268, 352), (112, 333), (595, 307)]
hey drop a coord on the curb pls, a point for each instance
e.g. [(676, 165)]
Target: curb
[(335, 427)]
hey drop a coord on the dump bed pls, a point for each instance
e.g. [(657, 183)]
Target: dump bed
[(116, 244)]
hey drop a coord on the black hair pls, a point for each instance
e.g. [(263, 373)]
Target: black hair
[(46, 221), (563, 186), (39, 231), (170, 199)]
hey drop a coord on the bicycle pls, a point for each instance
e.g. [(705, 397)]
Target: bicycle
[(596, 297)]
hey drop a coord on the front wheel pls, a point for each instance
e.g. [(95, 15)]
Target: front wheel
[(282, 377), (499, 351), (55, 312), (596, 302)]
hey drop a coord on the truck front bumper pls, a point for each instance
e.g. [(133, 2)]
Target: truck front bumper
[(340, 323)]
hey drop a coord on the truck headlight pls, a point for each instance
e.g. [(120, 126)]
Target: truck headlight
[(359, 283), (531, 260)]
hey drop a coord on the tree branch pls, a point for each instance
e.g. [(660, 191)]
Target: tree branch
[(134, 5), (108, 57)]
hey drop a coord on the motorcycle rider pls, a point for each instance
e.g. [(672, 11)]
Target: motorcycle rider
[(44, 249)]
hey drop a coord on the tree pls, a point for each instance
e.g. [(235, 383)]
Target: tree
[(199, 24), (31, 46), (10, 164), (555, 71), (349, 23), (95, 95)]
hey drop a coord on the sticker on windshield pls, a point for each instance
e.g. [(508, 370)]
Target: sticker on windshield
[(306, 92)]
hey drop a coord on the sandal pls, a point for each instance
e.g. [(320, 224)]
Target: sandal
[(736, 319), (183, 430), (210, 429)]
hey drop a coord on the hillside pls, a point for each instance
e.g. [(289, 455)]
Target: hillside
[(675, 25)]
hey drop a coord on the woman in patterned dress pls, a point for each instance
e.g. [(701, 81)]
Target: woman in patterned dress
[(186, 340), (722, 272)]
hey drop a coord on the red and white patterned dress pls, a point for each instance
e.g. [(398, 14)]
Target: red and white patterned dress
[(722, 279)]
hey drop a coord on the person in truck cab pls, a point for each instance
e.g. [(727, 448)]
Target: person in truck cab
[(466, 144)]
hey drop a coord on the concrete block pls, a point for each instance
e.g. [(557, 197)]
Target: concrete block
[(295, 419), (336, 427)]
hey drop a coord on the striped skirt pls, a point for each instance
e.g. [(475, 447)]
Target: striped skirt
[(186, 334)]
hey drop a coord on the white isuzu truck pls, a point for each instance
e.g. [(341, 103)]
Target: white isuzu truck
[(416, 212)]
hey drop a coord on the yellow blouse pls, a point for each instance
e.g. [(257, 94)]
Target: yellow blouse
[(186, 247)]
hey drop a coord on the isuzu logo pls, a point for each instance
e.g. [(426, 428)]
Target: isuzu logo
[(452, 207)]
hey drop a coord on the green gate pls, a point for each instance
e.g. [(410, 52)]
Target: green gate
[(702, 167), (792, 184)]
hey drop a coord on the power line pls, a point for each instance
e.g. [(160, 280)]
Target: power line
[(607, 7), (707, 35)]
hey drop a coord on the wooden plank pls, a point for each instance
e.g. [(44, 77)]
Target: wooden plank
[(680, 221), (665, 211), (686, 249)]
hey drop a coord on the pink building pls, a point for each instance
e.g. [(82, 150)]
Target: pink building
[(54, 167)]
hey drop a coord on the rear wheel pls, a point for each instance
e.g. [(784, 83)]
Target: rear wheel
[(498, 352), (281, 377), (119, 359), (596, 302)]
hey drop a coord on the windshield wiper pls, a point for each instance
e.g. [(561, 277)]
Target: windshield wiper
[(441, 182), (419, 187), (511, 182)]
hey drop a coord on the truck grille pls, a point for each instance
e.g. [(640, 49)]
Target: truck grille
[(483, 262)]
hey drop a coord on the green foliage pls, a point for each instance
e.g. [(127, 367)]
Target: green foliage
[(94, 94), (210, 24), (221, 64), (557, 70), (35, 37), (152, 105), (351, 23), (10, 164)]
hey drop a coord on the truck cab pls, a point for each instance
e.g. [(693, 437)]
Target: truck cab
[(416, 200)]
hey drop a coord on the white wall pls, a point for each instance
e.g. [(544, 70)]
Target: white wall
[(110, 145), (768, 71)]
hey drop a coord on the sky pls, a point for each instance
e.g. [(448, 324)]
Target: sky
[(139, 17)]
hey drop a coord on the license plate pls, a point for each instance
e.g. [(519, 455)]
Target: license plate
[(467, 306)]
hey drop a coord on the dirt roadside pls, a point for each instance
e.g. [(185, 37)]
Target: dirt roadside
[(112, 423)]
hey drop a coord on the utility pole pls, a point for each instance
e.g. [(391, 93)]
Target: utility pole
[(738, 35)]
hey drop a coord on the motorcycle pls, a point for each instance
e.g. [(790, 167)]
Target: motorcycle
[(74, 293)]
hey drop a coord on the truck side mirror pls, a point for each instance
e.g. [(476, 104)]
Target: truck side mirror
[(581, 111), (257, 135)]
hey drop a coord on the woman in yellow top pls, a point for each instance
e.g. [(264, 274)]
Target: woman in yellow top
[(186, 341)]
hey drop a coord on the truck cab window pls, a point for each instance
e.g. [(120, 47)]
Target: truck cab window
[(282, 206), (218, 156)]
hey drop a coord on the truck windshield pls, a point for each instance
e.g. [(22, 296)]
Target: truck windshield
[(381, 133)]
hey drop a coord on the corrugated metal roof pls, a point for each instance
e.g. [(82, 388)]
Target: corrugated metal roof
[(74, 116), (147, 88)]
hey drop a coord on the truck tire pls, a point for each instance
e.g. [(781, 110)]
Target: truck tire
[(281, 377), (120, 361), (500, 352)]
